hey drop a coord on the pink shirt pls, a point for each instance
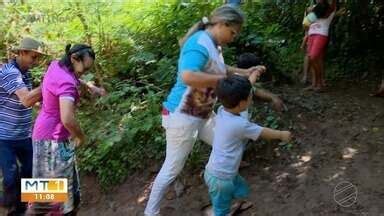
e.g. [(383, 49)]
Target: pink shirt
[(57, 83)]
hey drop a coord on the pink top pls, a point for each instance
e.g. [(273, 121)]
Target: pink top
[(58, 82)]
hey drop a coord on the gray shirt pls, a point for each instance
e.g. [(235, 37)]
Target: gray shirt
[(231, 132)]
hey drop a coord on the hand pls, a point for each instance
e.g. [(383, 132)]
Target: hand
[(278, 104), (303, 43), (254, 76), (285, 136), (302, 46), (80, 140), (260, 68), (255, 73), (341, 12), (100, 91)]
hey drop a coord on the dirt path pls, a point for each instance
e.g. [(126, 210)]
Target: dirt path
[(340, 136), (340, 141)]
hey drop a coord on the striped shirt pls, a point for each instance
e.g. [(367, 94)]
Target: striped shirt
[(15, 119)]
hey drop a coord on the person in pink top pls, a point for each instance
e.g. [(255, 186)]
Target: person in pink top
[(53, 150), (317, 41)]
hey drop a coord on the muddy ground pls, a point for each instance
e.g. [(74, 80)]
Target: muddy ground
[(339, 145)]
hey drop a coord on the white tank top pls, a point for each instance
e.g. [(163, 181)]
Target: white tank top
[(321, 26)]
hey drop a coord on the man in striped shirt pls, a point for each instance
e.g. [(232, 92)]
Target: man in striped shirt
[(16, 100)]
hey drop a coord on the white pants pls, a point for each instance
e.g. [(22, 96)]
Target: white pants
[(182, 132)]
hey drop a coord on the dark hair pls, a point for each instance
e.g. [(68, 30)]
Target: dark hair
[(247, 60), (232, 90), (79, 50), (321, 9)]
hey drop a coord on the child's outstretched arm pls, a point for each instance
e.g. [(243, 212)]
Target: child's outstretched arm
[(271, 134)]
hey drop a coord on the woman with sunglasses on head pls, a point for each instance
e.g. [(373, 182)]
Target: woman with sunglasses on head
[(53, 151), (187, 111)]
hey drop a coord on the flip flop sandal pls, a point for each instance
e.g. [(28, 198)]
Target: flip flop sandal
[(236, 208), (207, 209), (244, 206)]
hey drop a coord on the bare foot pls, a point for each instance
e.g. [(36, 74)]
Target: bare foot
[(319, 89), (207, 210), (240, 206), (235, 207), (380, 92), (144, 196), (304, 80), (245, 206), (309, 88)]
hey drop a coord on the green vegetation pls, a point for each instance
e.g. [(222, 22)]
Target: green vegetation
[(137, 50)]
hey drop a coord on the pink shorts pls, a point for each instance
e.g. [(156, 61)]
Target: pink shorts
[(316, 46)]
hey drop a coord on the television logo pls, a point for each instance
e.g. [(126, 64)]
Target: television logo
[(44, 190)]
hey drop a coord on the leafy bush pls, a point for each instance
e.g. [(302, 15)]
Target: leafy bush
[(137, 50)]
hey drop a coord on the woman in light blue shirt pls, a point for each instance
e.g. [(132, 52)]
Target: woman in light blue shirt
[(187, 111)]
